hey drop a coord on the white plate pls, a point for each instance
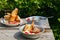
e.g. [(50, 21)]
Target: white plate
[(3, 21)]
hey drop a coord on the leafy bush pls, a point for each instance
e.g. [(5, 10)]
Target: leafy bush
[(32, 7)]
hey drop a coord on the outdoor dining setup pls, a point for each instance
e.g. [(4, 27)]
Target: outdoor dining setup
[(13, 27)]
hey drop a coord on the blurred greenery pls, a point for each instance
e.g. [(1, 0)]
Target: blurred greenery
[(33, 8)]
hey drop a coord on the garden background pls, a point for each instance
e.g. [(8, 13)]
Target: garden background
[(27, 8)]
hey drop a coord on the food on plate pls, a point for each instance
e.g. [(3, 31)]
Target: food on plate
[(12, 17), (8, 14), (31, 29), (6, 17), (27, 27), (14, 14), (15, 11), (28, 19), (17, 19)]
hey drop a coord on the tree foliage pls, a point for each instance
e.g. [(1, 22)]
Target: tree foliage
[(32, 7)]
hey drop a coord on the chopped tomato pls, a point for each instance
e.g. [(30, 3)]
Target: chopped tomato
[(26, 32), (28, 19), (30, 31), (12, 22)]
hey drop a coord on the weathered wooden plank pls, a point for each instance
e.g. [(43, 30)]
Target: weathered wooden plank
[(16, 35), (12, 33)]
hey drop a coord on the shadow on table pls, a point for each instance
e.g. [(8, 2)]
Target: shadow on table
[(19, 36), (2, 25)]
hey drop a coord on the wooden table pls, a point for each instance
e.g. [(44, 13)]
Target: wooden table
[(12, 33)]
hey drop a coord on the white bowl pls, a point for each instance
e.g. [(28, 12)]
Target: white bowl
[(36, 19), (31, 35)]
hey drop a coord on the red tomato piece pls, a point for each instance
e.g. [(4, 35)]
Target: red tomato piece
[(12, 22), (28, 19), (26, 32), (30, 31)]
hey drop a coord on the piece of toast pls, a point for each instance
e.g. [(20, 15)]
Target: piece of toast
[(27, 28), (12, 17), (6, 17), (17, 19), (15, 11), (13, 14)]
